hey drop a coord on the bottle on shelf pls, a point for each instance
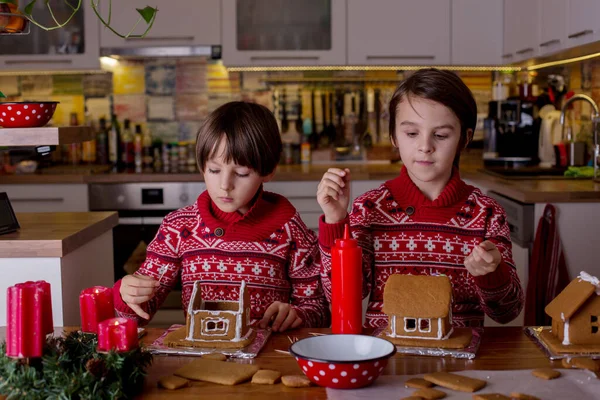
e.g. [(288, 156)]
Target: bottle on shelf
[(74, 154), (138, 148), (102, 143), (114, 143), (127, 150), (88, 148), (147, 150)]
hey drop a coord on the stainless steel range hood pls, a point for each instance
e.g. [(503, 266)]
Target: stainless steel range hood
[(214, 52)]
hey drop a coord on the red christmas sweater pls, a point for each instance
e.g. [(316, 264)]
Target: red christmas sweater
[(269, 247), (403, 232)]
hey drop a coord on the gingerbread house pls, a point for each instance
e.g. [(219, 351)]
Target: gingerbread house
[(575, 312), (418, 307), (218, 321)]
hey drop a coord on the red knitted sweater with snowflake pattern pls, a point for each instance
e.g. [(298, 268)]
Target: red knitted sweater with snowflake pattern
[(403, 232)]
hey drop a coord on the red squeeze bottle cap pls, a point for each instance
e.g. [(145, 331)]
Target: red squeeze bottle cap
[(347, 240)]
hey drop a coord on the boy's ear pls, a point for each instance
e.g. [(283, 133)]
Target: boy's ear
[(267, 178), (469, 138)]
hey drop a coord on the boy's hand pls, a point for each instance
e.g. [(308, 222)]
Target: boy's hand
[(484, 259), (285, 316), (333, 194), (136, 290)]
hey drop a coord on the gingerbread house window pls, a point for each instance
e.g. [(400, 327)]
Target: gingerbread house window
[(594, 319), (424, 325), (410, 324), (215, 326)]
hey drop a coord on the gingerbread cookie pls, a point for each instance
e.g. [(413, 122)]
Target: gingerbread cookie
[(490, 396), (522, 396), (418, 383), (546, 373), (223, 373), (581, 363), (455, 381), (266, 377), (429, 394), (173, 382), (295, 381)]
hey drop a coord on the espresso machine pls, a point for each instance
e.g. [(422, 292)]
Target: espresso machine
[(511, 133)]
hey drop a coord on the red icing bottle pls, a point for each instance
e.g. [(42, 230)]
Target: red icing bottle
[(346, 285)]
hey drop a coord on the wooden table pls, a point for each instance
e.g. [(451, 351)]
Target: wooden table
[(501, 349)]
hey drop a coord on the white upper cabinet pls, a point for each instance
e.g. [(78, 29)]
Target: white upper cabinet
[(76, 46), (553, 26), (284, 32), (396, 32), (177, 23), (476, 32), (583, 22), (521, 29)]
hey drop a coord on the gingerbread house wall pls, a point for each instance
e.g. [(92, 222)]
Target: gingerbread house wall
[(201, 315), (581, 325)]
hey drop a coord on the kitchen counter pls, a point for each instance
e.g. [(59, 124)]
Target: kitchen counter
[(55, 234), (523, 190)]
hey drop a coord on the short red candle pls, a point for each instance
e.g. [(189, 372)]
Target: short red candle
[(25, 320), (119, 334), (95, 306)]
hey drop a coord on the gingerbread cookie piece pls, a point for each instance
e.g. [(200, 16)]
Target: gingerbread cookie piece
[(412, 398), (523, 396), (429, 394), (490, 396), (418, 383), (266, 377), (223, 373), (546, 373), (173, 382), (581, 363), (295, 381), (455, 381)]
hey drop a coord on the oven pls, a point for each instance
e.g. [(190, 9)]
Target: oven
[(141, 208)]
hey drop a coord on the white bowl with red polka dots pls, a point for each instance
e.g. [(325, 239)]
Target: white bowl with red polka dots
[(26, 114), (342, 361)]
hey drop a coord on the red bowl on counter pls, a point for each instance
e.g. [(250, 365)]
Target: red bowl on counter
[(342, 361), (26, 114)]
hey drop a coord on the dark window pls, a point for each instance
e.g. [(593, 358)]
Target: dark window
[(210, 325), (220, 325), (410, 324), (594, 329), (594, 318), (424, 325)]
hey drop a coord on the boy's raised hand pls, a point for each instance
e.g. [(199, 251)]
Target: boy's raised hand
[(285, 317), (484, 259), (136, 290), (333, 194)]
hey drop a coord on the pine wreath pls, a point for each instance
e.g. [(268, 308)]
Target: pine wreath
[(71, 368)]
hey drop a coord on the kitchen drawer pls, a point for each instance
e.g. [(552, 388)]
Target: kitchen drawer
[(48, 197)]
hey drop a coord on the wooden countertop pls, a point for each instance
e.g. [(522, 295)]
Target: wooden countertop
[(55, 234), (523, 190), (501, 349)]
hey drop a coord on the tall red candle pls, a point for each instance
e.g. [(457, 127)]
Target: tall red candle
[(119, 334), (95, 306), (346, 285), (25, 321), (47, 321)]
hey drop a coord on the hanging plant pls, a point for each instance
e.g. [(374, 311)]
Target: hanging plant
[(13, 20)]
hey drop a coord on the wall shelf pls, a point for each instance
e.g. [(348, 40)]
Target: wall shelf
[(45, 136)]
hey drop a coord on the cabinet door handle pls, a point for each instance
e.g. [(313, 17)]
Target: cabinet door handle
[(582, 33), (284, 58), (550, 42), (523, 51), (163, 38), (39, 200), (507, 55), (40, 61), (403, 57)]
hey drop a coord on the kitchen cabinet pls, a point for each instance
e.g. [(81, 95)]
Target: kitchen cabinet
[(284, 32), (477, 32), (521, 30), (178, 23), (48, 197), (76, 46), (553, 26), (583, 25), (398, 32)]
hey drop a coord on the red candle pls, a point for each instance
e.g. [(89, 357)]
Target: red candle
[(95, 306), (117, 333), (48, 323), (25, 331)]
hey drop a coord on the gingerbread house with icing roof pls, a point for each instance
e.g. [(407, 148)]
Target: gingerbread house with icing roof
[(418, 307), (218, 321), (575, 312)]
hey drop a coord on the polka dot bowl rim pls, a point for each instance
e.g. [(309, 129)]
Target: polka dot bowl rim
[(298, 351)]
